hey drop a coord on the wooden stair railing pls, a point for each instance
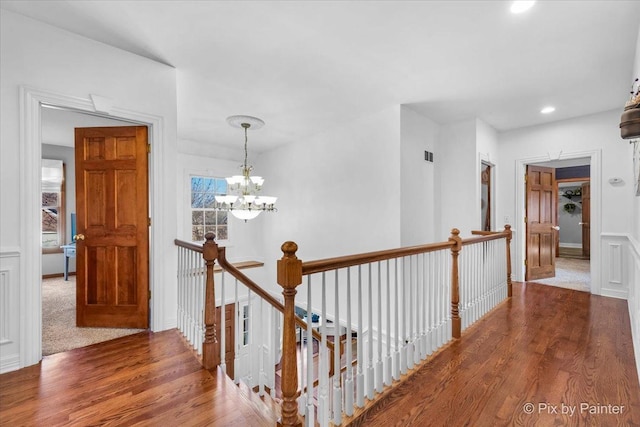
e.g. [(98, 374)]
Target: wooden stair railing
[(509, 235), (210, 253), (291, 270)]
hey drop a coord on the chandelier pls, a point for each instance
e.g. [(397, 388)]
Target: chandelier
[(242, 198)]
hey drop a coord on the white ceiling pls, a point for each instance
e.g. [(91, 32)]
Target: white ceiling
[(305, 66)]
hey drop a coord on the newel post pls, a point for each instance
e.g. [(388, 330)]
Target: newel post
[(507, 229), (456, 325), (289, 277), (210, 344)]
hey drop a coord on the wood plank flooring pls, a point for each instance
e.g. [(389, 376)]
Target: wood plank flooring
[(554, 348), (545, 351), (143, 379)]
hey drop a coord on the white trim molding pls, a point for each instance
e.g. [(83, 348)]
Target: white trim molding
[(31, 100), (595, 162), (614, 280), (633, 299), (9, 315)]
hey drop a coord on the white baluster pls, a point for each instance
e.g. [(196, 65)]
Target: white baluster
[(360, 392), (323, 394), (388, 379), (403, 314), (348, 383), (310, 408), (337, 391), (275, 349), (262, 335), (379, 372), (250, 340), (397, 354), (410, 302), (223, 329), (370, 374), (237, 325)]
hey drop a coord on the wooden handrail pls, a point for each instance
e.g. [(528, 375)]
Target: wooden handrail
[(234, 270), (318, 266), (484, 237), (483, 232), (188, 245), (254, 287)]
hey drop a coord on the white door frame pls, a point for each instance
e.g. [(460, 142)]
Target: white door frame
[(31, 100), (596, 213)]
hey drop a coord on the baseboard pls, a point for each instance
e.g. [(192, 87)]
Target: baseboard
[(614, 293), (54, 275), (571, 245), (9, 363)]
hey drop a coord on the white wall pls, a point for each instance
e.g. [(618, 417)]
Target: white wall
[(338, 191), (569, 222), (487, 148), (464, 146), (42, 58), (634, 244), (595, 133), (456, 169), (420, 196)]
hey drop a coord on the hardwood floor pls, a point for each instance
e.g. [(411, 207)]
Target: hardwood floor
[(553, 348), (143, 379), (546, 350)]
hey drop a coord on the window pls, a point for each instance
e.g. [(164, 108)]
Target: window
[(245, 325), (204, 218), (52, 211)]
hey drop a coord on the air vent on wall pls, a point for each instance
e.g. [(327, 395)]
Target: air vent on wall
[(428, 156)]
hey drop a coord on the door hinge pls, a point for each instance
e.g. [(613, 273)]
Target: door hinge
[(525, 179), (149, 294), (148, 148), (525, 219), (149, 222), (525, 262)]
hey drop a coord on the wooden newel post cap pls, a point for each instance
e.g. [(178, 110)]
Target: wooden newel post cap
[(210, 247), (455, 237), (289, 266)]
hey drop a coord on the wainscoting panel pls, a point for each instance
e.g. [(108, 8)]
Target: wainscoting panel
[(615, 273), (634, 297), (9, 309)]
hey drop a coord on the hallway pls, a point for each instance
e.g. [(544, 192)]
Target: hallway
[(545, 351)]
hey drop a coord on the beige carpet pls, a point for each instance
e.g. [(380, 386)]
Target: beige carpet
[(59, 331), (571, 273)]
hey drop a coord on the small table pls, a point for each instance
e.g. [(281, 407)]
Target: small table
[(69, 252)]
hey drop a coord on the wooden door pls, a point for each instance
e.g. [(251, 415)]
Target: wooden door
[(229, 336), (112, 226), (541, 230), (586, 220)]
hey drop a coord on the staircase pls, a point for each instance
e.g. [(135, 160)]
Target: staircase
[(390, 309)]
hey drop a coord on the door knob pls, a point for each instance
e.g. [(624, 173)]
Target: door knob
[(78, 237), (555, 227)]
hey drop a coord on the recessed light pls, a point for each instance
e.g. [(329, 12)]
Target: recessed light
[(547, 110), (520, 6)]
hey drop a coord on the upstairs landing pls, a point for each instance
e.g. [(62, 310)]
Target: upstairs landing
[(142, 379)]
